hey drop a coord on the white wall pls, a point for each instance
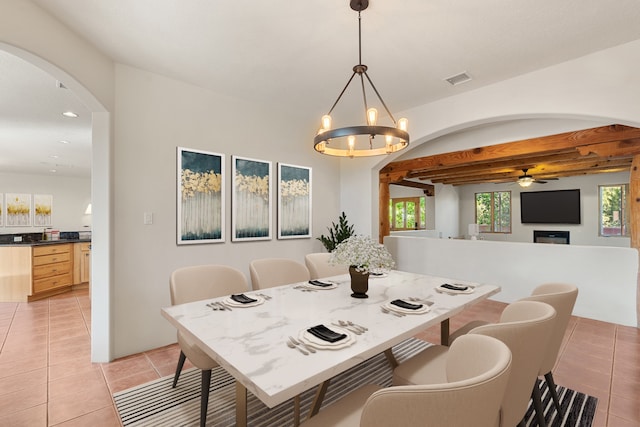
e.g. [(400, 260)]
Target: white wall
[(606, 276), (70, 199), (600, 88), (585, 233), (154, 115)]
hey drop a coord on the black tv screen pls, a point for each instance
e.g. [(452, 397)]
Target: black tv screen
[(550, 207)]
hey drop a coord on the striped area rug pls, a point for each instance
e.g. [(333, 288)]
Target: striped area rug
[(157, 404)]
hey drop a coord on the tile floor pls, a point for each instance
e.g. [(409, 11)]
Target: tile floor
[(47, 379)]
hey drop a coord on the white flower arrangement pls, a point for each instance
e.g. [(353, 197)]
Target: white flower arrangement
[(363, 253)]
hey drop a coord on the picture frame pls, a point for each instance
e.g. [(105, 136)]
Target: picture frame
[(294, 201), (2, 214), (200, 197), (42, 210), (18, 209), (251, 209)]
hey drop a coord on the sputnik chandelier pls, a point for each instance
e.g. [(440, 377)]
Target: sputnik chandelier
[(361, 141)]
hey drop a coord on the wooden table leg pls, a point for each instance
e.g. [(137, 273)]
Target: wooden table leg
[(317, 400), (241, 405), (444, 332), (296, 411), (391, 358)]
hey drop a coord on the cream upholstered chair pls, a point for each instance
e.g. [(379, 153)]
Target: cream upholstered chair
[(476, 374), (525, 327), (319, 267), (562, 297), (197, 283), (270, 272)]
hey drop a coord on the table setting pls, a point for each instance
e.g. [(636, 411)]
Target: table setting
[(455, 289)]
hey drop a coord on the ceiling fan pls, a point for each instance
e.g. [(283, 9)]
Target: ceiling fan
[(525, 180)]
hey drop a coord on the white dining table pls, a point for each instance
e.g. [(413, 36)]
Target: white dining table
[(250, 343)]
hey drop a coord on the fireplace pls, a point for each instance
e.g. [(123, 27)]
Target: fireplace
[(555, 237)]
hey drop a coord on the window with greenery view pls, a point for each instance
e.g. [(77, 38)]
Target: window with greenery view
[(493, 211), (614, 216), (407, 213)]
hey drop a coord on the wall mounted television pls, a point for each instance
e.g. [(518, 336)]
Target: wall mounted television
[(550, 207)]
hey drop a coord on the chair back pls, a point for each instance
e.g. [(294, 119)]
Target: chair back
[(525, 327), (198, 282), (478, 369), (562, 297), (270, 272), (319, 267)]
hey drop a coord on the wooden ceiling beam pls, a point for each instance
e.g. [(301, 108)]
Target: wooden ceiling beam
[(429, 189), (547, 144)]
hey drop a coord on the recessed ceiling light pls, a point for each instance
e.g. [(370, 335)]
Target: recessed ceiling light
[(54, 156), (63, 141), (70, 114), (53, 170)]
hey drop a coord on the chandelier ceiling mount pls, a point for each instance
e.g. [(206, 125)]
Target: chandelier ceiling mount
[(360, 141)]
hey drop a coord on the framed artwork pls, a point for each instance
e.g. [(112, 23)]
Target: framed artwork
[(1, 209), (251, 199), (42, 208), (200, 198), (18, 210), (294, 201)]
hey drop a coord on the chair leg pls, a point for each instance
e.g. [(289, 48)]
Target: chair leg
[(537, 404), (181, 360), (552, 388), (204, 396)]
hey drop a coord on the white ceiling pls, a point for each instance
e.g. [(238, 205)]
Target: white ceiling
[(299, 54)]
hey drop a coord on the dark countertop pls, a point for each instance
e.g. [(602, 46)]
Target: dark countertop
[(46, 242)]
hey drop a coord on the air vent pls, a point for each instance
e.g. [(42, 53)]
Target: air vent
[(458, 79)]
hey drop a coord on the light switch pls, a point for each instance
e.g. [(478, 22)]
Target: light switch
[(148, 218)]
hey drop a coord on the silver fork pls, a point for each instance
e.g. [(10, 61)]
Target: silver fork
[(265, 296), (347, 327), (301, 344), (222, 306), (292, 345)]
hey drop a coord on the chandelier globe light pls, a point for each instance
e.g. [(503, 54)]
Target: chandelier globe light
[(369, 139)]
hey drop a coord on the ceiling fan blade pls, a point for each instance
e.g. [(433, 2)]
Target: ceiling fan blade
[(537, 181)]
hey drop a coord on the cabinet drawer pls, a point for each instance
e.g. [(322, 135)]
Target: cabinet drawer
[(51, 249), (52, 282), (50, 259), (54, 269)]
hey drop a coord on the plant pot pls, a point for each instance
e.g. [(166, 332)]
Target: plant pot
[(359, 283)]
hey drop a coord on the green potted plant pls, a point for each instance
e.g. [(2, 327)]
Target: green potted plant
[(337, 233)]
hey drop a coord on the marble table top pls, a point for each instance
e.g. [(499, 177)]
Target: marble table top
[(251, 342)]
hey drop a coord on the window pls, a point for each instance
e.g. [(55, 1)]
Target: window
[(493, 212), (407, 213), (614, 216)]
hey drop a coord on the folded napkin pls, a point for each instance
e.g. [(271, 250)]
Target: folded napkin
[(407, 305), (319, 283), (454, 287), (326, 334), (243, 299)]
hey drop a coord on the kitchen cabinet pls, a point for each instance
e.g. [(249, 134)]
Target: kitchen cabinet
[(81, 263), (52, 270)]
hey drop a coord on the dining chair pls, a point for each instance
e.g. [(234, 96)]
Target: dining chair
[(319, 267), (562, 297), (270, 272), (197, 283), (525, 327), (475, 379)]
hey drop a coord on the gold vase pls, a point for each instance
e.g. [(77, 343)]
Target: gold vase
[(359, 283)]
